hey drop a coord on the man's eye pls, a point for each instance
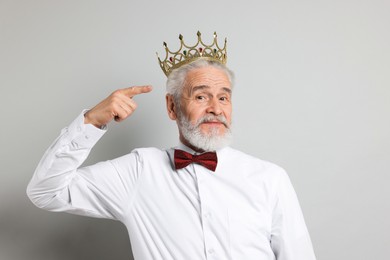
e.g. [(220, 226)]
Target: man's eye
[(223, 99), (200, 98)]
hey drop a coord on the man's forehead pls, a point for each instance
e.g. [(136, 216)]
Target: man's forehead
[(207, 87), (207, 78)]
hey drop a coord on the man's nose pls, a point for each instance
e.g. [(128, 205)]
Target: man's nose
[(214, 107)]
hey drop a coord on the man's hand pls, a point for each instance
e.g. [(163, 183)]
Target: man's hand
[(118, 106)]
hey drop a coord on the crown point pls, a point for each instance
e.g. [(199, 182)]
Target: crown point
[(187, 54)]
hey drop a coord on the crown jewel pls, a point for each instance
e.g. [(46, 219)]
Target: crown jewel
[(187, 54)]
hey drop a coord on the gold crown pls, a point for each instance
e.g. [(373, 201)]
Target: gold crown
[(187, 54)]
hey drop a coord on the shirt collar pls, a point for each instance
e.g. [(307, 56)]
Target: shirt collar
[(187, 149)]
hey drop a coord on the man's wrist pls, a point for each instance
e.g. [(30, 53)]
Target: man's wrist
[(87, 121)]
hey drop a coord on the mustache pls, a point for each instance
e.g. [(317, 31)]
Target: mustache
[(212, 118)]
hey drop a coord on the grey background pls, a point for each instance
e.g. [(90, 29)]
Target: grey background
[(312, 95)]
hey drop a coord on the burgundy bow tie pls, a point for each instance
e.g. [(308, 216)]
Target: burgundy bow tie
[(208, 160)]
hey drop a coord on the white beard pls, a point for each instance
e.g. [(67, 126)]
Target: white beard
[(207, 142)]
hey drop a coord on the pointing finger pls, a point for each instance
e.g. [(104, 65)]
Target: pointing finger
[(136, 90)]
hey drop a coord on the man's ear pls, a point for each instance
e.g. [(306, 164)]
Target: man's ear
[(171, 107)]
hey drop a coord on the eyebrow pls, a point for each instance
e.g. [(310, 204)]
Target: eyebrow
[(201, 87)]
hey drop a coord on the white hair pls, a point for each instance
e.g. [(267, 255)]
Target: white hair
[(176, 78)]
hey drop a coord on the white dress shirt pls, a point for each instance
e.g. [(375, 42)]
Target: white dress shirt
[(247, 209)]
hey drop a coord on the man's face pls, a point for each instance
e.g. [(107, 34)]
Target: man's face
[(207, 93), (204, 114)]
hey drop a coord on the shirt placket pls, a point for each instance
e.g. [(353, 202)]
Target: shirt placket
[(206, 214)]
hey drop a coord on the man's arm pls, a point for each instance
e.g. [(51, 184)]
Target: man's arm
[(58, 183), (290, 238)]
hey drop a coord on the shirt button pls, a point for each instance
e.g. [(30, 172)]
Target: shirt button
[(87, 137), (79, 128), (207, 215), (211, 251)]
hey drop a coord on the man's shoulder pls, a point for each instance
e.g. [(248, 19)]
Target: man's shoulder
[(150, 155), (245, 160), (145, 151)]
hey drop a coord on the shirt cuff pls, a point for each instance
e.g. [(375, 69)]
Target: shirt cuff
[(84, 135)]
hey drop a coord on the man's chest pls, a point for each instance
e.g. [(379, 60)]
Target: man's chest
[(216, 213)]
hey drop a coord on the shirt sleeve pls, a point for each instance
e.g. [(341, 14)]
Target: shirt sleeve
[(102, 190), (290, 238)]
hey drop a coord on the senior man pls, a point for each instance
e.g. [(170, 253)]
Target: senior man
[(199, 200)]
